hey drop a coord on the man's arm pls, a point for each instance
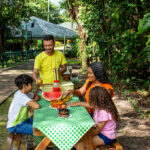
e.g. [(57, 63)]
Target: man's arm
[(63, 69), (35, 75), (37, 97)]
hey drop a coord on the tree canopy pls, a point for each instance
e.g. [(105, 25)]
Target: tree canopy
[(116, 32), (12, 12)]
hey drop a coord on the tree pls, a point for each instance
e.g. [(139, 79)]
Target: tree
[(39, 8), (15, 11), (111, 35), (73, 8)]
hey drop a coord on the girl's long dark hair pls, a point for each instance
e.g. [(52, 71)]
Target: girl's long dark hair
[(99, 73), (100, 98)]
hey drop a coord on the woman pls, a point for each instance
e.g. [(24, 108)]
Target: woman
[(96, 77)]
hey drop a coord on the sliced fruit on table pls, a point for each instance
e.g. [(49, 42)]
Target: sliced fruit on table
[(63, 106), (52, 95)]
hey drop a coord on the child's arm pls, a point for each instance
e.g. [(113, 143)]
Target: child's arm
[(96, 130), (84, 104), (33, 104)]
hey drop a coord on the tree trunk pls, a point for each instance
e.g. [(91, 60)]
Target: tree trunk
[(71, 23), (73, 12), (1, 50), (83, 38), (1, 47), (136, 17), (83, 55)]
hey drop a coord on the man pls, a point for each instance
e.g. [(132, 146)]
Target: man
[(46, 61)]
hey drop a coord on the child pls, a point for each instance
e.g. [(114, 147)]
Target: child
[(18, 114), (105, 116)]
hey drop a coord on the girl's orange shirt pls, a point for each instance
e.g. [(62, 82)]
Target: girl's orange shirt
[(105, 85)]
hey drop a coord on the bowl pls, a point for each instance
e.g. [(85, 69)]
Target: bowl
[(56, 103), (64, 113)]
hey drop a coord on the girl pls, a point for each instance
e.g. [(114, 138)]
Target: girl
[(105, 116)]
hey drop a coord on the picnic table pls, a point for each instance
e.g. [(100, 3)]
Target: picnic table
[(64, 133)]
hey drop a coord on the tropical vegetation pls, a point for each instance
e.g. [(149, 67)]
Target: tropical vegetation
[(116, 33)]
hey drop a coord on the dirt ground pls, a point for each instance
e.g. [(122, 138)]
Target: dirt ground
[(133, 132)]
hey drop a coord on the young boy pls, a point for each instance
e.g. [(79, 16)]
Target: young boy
[(18, 114)]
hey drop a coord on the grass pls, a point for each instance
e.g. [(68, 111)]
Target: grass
[(3, 121), (142, 113), (73, 61), (11, 64)]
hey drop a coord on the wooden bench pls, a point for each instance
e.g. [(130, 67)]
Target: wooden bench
[(17, 141), (115, 146)]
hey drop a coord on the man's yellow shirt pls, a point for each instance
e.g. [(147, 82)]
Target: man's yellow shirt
[(45, 64)]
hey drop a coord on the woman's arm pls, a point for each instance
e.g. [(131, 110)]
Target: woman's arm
[(96, 130), (82, 90), (78, 92)]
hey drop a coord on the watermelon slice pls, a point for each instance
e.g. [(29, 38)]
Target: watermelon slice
[(52, 95)]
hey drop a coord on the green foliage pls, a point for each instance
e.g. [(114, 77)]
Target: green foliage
[(73, 50), (77, 82), (73, 61), (11, 15), (39, 8), (112, 36), (143, 29), (144, 24), (142, 113)]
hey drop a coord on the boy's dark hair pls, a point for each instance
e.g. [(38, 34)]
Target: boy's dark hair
[(48, 38), (100, 98), (23, 79), (99, 72)]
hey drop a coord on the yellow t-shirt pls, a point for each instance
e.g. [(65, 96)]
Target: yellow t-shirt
[(45, 64)]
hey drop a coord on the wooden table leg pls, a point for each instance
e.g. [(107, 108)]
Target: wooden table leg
[(88, 141), (85, 143), (43, 144)]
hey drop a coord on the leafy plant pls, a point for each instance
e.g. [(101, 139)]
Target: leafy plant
[(73, 50), (77, 82), (144, 24)]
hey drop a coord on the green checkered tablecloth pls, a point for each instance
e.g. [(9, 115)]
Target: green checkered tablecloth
[(63, 132)]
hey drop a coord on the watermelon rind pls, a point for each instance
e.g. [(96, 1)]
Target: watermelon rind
[(51, 95)]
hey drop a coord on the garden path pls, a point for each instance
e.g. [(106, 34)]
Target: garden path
[(7, 77)]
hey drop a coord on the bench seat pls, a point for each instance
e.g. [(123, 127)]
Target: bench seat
[(17, 141), (115, 146)]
